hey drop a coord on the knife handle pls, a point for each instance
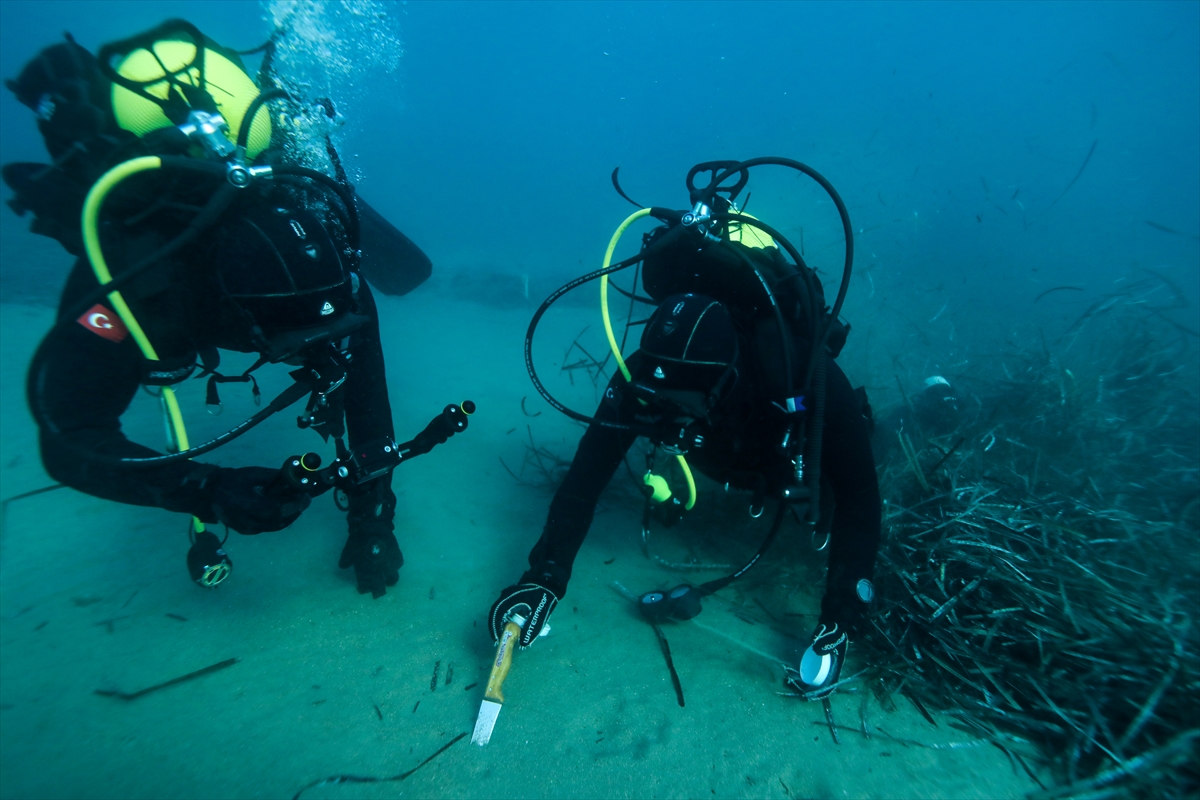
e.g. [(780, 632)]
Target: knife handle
[(502, 662)]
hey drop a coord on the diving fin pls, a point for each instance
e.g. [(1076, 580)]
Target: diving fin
[(391, 262)]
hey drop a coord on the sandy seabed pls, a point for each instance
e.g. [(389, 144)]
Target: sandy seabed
[(95, 595)]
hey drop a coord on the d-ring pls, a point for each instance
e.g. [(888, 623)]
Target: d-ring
[(824, 544), (760, 511)]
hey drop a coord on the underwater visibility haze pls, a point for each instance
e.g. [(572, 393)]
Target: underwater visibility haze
[(1022, 184)]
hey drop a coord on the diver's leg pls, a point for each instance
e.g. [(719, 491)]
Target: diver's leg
[(371, 547)]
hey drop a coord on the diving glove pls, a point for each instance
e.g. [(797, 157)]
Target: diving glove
[(843, 609), (371, 547), (527, 604), (246, 499), (821, 663)]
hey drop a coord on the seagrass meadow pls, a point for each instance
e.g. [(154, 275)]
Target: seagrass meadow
[(1040, 574)]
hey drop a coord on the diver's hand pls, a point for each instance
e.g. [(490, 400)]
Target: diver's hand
[(376, 559), (529, 600), (371, 547), (240, 499), (821, 662)]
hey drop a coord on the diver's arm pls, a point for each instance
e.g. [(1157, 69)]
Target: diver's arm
[(857, 520), (85, 384), (600, 453)]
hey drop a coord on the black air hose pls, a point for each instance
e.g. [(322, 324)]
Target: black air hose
[(248, 118), (816, 433)]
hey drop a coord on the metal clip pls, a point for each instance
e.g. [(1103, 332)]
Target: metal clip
[(824, 544)]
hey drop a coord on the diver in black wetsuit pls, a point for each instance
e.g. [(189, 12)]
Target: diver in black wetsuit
[(938, 409), (707, 380), (207, 253)]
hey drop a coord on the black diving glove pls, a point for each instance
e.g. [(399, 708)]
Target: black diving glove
[(531, 602), (249, 499), (371, 547)]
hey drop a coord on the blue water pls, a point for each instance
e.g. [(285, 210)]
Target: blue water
[(987, 152)]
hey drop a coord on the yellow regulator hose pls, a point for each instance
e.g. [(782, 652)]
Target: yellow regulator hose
[(612, 339), (91, 241)]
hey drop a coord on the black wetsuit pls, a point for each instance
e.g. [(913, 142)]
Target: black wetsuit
[(84, 378), (740, 448), (88, 381)]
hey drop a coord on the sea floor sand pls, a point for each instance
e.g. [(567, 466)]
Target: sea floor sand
[(330, 682)]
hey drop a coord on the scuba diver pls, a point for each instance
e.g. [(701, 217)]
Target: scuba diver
[(734, 377), (193, 233), (939, 409)]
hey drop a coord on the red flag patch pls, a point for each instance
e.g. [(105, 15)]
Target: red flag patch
[(104, 323)]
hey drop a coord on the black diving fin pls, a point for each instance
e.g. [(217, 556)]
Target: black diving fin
[(391, 262)]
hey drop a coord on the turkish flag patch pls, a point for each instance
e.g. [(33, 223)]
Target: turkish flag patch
[(104, 323)]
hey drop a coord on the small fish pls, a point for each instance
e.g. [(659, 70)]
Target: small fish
[(433, 681), (378, 712)]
